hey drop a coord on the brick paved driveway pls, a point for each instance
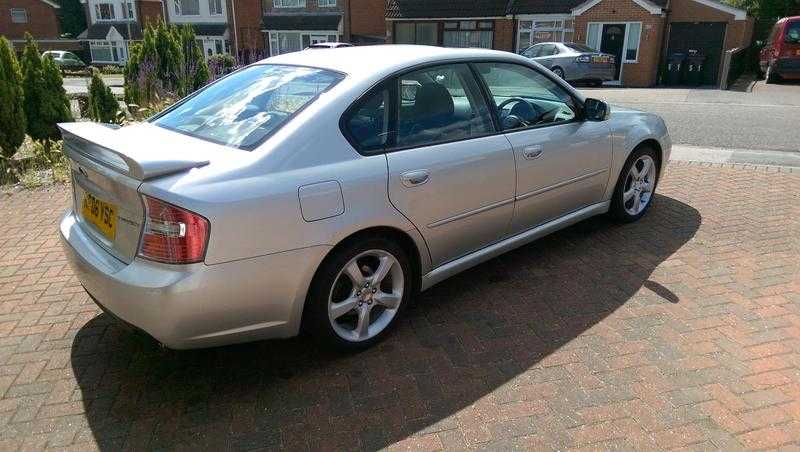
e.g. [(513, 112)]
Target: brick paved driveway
[(680, 330)]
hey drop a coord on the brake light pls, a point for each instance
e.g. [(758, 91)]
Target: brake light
[(172, 235)]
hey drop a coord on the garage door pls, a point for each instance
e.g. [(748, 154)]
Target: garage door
[(704, 37)]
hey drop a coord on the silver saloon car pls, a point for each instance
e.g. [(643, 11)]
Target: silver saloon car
[(574, 62), (320, 191)]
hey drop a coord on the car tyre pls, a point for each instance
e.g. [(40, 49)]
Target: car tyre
[(343, 315), (633, 194), (559, 72)]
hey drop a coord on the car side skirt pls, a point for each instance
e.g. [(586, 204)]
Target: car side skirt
[(451, 268)]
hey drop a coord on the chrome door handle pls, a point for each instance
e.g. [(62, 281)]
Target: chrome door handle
[(532, 152), (415, 178)]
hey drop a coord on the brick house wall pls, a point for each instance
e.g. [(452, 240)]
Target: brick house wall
[(150, 12), (42, 20), (504, 30), (365, 18), (248, 17), (645, 72)]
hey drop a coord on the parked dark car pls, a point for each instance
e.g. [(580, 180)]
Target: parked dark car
[(780, 57), (65, 60), (573, 62)]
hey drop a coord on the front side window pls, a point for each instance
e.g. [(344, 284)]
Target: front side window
[(526, 98), (440, 104), (19, 16), (104, 11), (244, 108)]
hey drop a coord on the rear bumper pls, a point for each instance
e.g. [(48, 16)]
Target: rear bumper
[(788, 67), (195, 306), (592, 73)]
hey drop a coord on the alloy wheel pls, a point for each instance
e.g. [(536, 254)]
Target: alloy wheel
[(639, 185), (366, 295)]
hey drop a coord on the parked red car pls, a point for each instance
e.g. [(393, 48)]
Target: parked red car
[(780, 57)]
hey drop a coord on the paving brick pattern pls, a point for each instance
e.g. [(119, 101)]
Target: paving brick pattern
[(680, 331)]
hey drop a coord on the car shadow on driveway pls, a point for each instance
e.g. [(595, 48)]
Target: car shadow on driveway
[(486, 331)]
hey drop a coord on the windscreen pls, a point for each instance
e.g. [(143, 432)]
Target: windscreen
[(793, 32), (244, 108)]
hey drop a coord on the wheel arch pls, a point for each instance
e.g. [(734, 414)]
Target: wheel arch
[(402, 238)]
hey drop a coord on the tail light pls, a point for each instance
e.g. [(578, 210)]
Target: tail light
[(172, 235)]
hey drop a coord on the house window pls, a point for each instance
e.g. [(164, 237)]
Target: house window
[(468, 33), (632, 43), (19, 16), (289, 4), (532, 32), (287, 41), (326, 3), (187, 7), (107, 51), (422, 33), (104, 11), (127, 10), (215, 7)]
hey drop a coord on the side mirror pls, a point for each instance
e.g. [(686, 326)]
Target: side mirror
[(596, 110)]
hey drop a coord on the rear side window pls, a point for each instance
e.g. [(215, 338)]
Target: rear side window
[(792, 32), (243, 109), (368, 123)]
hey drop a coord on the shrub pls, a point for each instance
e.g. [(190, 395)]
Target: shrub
[(12, 114), (103, 106), (221, 64), (33, 86), (170, 58), (54, 104), (195, 73)]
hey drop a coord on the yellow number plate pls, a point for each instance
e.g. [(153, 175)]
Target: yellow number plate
[(101, 214)]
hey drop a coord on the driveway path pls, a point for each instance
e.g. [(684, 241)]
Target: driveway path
[(680, 330)]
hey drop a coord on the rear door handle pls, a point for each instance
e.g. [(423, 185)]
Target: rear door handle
[(415, 178), (532, 152)]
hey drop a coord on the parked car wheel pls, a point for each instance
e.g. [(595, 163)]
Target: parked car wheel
[(559, 72), (636, 186), (358, 294)]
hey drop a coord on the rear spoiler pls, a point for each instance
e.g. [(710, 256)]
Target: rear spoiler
[(102, 144)]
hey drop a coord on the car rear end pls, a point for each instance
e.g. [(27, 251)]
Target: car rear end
[(787, 50), (592, 65)]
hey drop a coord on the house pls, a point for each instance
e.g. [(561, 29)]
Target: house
[(112, 25), (292, 25), (640, 33), (37, 17), (208, 18)]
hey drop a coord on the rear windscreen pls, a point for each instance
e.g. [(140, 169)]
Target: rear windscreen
[(793, 32), (244, 108)]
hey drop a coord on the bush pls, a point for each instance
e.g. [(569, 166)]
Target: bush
[(12, 114), (195, 73), (46, 102), (221, 64), (103, 106)]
